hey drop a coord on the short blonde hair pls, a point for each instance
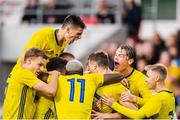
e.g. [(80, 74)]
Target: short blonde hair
[(160, 69), (34, 52)]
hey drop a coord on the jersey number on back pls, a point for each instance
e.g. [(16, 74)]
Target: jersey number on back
[(72, 83)]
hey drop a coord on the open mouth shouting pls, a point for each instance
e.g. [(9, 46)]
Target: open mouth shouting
[(116, 64)]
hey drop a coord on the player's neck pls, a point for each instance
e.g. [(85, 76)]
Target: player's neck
[(160, 86), (127, 71), (60, 36), (103, 70), (27, 67)]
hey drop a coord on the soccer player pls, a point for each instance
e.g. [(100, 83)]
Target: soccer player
[(163, 100), (20, 101), (45, 106), (53, 41), (75, 92), (124, 58)]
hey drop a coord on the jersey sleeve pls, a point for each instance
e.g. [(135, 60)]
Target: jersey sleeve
[(127, 112), (152, 106), (29, 79), (145, 93)]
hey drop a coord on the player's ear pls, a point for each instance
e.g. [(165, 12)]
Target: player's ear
[(157, 78), (68, 28), (130, 61), (28, 60)]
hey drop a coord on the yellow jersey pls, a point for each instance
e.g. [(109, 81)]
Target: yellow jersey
[(74, 96), (113, 90), (45, 107), (19, 100), (46, 40), (138, 86), (163, 107)]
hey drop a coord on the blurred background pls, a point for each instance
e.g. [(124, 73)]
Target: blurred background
[(152, 27)]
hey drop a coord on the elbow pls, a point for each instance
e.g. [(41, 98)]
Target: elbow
[(51, 93)]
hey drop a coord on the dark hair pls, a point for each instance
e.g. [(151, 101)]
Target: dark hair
[(73, 20), (129, 51), (100, 57), (56, 63), (66, 55), (34, 52)]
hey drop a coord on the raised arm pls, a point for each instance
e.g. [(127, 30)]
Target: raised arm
[(48, 90)]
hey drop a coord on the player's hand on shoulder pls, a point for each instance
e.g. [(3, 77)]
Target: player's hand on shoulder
[(54, 73)]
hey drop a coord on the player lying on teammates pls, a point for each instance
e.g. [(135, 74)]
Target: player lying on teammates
[(75, 91), (163, 100), (54, 41), (98, 63), (19, 100)]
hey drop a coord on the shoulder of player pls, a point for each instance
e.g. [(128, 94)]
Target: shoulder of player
[(44, 31), (139, 75)]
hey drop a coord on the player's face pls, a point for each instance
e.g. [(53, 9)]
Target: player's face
[(92, 66), (120, 60), (151, 79), (37, 65), (73, 34)]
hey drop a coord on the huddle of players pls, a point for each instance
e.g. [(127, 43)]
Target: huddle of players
[(67, 91)]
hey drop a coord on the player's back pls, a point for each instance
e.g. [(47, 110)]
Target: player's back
[(168, 104), (163, 108), (75, 95)]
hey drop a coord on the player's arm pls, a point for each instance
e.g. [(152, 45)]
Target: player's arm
[(43, 76), (123, 110), (112, 78), (128, 112), (129, 105), (99, 115), (48, 90)]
